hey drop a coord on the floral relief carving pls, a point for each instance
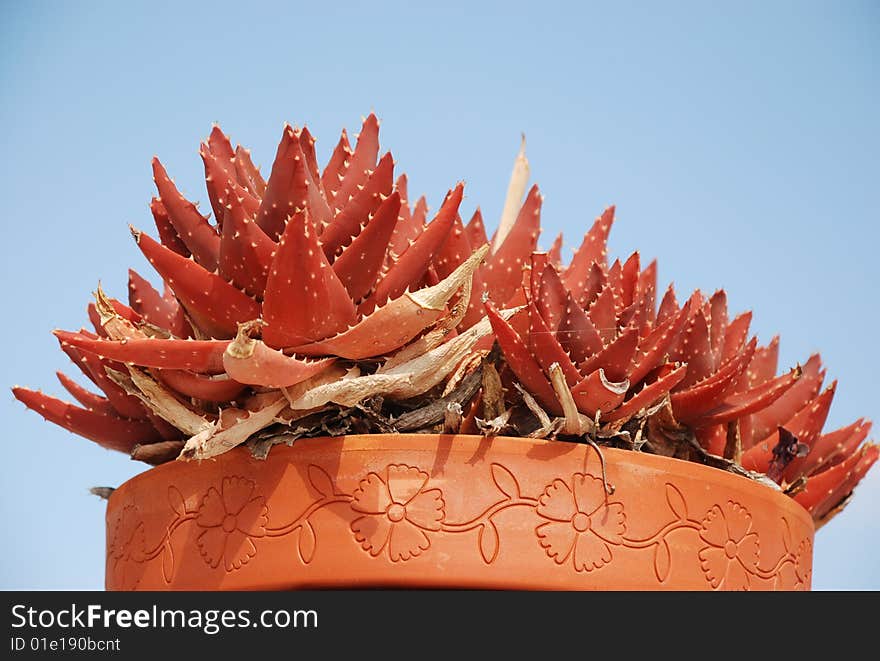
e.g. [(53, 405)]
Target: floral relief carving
[(126, 545), (794, 572), (803, 566), (581, 524), (731, 552), (398, 513), (231, 518)]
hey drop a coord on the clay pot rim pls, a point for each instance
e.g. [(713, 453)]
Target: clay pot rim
[(460, 443)]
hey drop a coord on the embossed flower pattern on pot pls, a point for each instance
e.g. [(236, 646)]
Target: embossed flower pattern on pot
[(581, 523), (397, 512), (126, 546), (231, 518), (393, 513), (803, 565), (793, 571), (730, 556)]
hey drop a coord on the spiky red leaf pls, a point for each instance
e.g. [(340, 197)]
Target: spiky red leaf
[(305, 300), (824, 490), (805, 425), (767, 420), (411, 266), (521, 361), (86, 397), (554, 255), (547, 350), (161, 310), (246, 252), (576, 332), (362, 161), (742, 404), (735, 337), (195, 355), (694, 348), (210, 388), (331, 178), (503, 267), (475, 230), (94, 366), (167, 234), (359, 264), (108, 431), (654, 348), (200, 238), (594, 248), (348, 222), (690, 403), (649, 395), (287, 188), (552, 298), (603, 314), (597, 394), (832, 448), (216, 306), (717, 323), (218, 156), (668, 305), (763, 365), (616, 358), (252, 362), (223, 188), (248, 174)]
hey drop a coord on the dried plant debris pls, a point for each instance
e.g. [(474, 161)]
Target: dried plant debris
[(436, 411), (786, 450), (157, 453), (102, 492), (452, 418), (321, 302)]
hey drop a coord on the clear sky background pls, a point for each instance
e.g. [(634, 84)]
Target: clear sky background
[(739, 140)]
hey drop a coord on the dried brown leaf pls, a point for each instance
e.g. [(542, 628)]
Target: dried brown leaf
[(404, 381), (159, 399), (233, 427), (157, 453)]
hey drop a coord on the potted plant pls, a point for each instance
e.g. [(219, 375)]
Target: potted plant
[(335, 391)]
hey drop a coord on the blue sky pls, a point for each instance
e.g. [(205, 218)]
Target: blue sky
[(740, 143)]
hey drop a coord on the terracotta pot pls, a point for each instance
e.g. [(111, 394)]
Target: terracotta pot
[(452, 512)]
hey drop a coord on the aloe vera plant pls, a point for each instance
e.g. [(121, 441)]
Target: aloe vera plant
[(321, 301)]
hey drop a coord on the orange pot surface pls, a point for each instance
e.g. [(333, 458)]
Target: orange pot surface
[(433, 511)]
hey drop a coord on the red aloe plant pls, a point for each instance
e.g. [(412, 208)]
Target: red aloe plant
[(591, 345), (305, 261), (321, 300)]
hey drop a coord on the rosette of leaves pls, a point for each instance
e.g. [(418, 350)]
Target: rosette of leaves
[(320, 302)]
